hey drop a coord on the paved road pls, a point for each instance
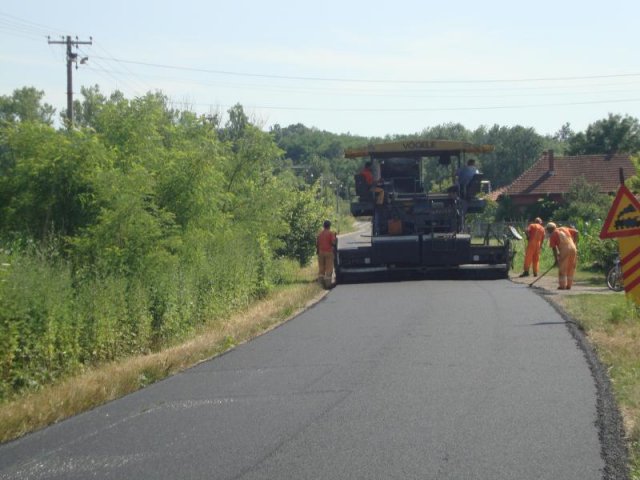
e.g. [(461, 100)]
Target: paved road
[(406, 380)]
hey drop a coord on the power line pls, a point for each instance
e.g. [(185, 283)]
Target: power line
[(437, 109), (136, 77), (361, 87), (435, 92), (571, 90), (19, 32), (117, 76), (26, 24), (353, 80)]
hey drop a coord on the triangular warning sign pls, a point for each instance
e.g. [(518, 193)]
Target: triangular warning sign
[(623, 219)]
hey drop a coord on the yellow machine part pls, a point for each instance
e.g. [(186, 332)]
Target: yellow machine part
[(418, 147)]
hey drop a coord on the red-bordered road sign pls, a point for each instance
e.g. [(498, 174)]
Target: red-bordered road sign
[(623, 219)]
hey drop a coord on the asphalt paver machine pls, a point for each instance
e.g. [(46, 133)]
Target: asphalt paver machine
[(414, 231)]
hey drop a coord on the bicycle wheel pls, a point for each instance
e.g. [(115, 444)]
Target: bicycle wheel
[(614, 279)]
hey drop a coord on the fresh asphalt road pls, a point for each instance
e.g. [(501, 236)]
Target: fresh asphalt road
[(405, 380)]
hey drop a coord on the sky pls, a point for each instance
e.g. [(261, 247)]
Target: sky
[(365, 68)]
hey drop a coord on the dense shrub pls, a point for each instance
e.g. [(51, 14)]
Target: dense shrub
[(594, 252), (127, 235)]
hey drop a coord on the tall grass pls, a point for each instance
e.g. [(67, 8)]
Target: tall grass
[(110, 380), (54, 321)]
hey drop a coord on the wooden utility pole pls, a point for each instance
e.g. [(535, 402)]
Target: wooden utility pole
[(71, 57)]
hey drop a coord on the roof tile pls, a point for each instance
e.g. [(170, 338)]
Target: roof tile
[(602, 170)]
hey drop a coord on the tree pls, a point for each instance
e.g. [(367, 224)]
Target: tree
[(516, 149), (615, 134), (46, 181), (314, 152), (564, 134), (447, 131), (87, 111), (633, 182), (583, 201), (237, 123), (25, 105), (303, 215)]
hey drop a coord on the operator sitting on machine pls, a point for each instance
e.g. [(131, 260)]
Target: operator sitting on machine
[(374, 186), (464, 176)]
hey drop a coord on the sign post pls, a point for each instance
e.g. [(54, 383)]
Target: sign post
[(623, 223)]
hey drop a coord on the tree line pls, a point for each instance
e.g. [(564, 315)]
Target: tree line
[(516, 148)]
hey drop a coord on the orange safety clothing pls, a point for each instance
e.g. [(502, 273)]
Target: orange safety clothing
[(368, 175), (378, 191), (325, 243), (562, 240), (325, 266), (535, 234), (571, 231)]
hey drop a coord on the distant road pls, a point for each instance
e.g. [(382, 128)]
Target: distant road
[(361, 237), (406, 380)]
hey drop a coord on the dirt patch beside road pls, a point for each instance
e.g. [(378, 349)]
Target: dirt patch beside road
[(549, 284)]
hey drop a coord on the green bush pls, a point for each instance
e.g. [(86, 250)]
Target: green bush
[(594, 252), (304, 217), (128, 235)]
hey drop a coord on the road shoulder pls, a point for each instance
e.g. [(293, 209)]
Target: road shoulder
[(609, 420)]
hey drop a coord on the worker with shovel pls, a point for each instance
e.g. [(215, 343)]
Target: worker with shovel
[(561, 241), (535, 238)]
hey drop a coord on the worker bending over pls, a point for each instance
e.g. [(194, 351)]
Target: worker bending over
[(535, 238), (563, 246)]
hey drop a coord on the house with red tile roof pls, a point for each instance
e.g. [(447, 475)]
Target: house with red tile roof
[(551, 177)]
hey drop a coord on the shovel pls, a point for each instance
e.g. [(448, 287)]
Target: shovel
[(540, 276)]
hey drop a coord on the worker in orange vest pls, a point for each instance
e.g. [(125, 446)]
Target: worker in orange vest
[(367, 174), (376, 186), (535, 238), (325, 243), (565, 252), (570, 230)]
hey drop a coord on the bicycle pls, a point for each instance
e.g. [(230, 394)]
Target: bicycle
[(614, 277)]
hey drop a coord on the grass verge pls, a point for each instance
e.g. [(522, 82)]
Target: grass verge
[(612, 324), (104, 383)]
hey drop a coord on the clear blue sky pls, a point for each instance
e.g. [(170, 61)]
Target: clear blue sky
[(368, 68)]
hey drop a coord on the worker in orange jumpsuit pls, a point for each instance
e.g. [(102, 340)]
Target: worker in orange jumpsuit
[(375, 186), (565, 253), (571, 231), (535, 238), (325, 243)]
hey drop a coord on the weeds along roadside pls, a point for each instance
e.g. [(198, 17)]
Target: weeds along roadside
[(69, 345), (97, 385)]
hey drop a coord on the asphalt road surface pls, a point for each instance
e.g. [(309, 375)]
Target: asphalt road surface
[(404, 380)]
